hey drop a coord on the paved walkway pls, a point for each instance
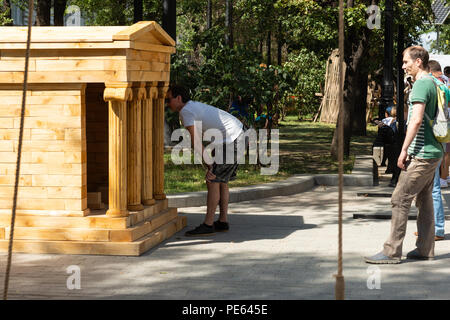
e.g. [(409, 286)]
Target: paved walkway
[(278, 248)]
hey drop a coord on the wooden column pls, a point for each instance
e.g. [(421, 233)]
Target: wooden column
[(147, 144), (117, 95), (134, 166), (158, 146)]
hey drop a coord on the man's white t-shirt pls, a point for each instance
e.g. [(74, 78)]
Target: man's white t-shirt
[(211, 118)]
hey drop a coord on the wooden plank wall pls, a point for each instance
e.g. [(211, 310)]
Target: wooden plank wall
[(85, 66), (53, 170)]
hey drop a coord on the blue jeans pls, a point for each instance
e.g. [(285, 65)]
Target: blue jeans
[(439, 218)]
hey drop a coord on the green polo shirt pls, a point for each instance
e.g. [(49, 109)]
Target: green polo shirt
[(424, 145)]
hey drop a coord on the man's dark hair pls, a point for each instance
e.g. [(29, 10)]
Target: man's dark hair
[(447, 70), (418, 52), (434, 66), (177, 90)]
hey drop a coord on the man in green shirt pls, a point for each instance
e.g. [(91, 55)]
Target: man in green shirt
[(419, 157)]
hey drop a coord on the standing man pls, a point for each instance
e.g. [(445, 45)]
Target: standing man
[(419, 158), (220, 172)]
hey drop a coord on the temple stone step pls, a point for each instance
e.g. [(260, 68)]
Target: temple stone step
[(134, 248), (139, 230), (97, 220), (137, 217), (83, 234)]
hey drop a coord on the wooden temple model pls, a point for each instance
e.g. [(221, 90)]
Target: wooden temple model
[(92, 169)]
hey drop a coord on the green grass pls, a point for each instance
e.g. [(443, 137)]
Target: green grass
[(304, 148)]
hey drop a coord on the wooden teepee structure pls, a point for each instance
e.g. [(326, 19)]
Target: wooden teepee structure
[(329, 106)]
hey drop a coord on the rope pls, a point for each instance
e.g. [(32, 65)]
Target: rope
[(340, 284), (19, 151)]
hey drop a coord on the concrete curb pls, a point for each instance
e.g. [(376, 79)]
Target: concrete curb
[(361, 176)]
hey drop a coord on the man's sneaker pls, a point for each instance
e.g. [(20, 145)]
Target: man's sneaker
[(201, 230), (444, 183), (380, 258), (414, 255), (221, 226)]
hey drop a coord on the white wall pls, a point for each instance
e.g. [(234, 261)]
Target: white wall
[(444, 60)]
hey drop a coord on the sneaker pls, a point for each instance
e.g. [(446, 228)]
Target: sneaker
[(221, 226), (436, 238), (444, 183), (201, 230), (380, 258), (414, 255), (448, 180)]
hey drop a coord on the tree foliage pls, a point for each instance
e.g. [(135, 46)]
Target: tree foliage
[(5, 13)]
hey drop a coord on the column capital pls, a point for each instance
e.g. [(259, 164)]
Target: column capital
[(121, 91), (163, 87), (139, 91)]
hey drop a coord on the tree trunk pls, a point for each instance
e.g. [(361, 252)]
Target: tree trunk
[(169, 21), (59, 9), (360, 104), (43, 12), (280, 44), (138, 10), (269, 48), (355, 90), (229, 23), (359, 86), (209, 15), (355, 87)]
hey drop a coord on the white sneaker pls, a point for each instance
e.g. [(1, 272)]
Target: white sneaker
[(448, 180), (444, 183)]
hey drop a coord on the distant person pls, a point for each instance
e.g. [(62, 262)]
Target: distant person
[(419, 157), (447, 72), (240, 109), (388, 137), (218, 174), (440, 180), (436, 71)]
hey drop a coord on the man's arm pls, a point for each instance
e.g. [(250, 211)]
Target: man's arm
[(413, 127), (198, 147)]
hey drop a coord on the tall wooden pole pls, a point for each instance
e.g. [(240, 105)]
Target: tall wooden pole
[(340, 285), (19, 152)]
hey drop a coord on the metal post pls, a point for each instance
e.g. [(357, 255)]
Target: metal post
[(387, 89), (400, 82), (169, 20), (138, 11)]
